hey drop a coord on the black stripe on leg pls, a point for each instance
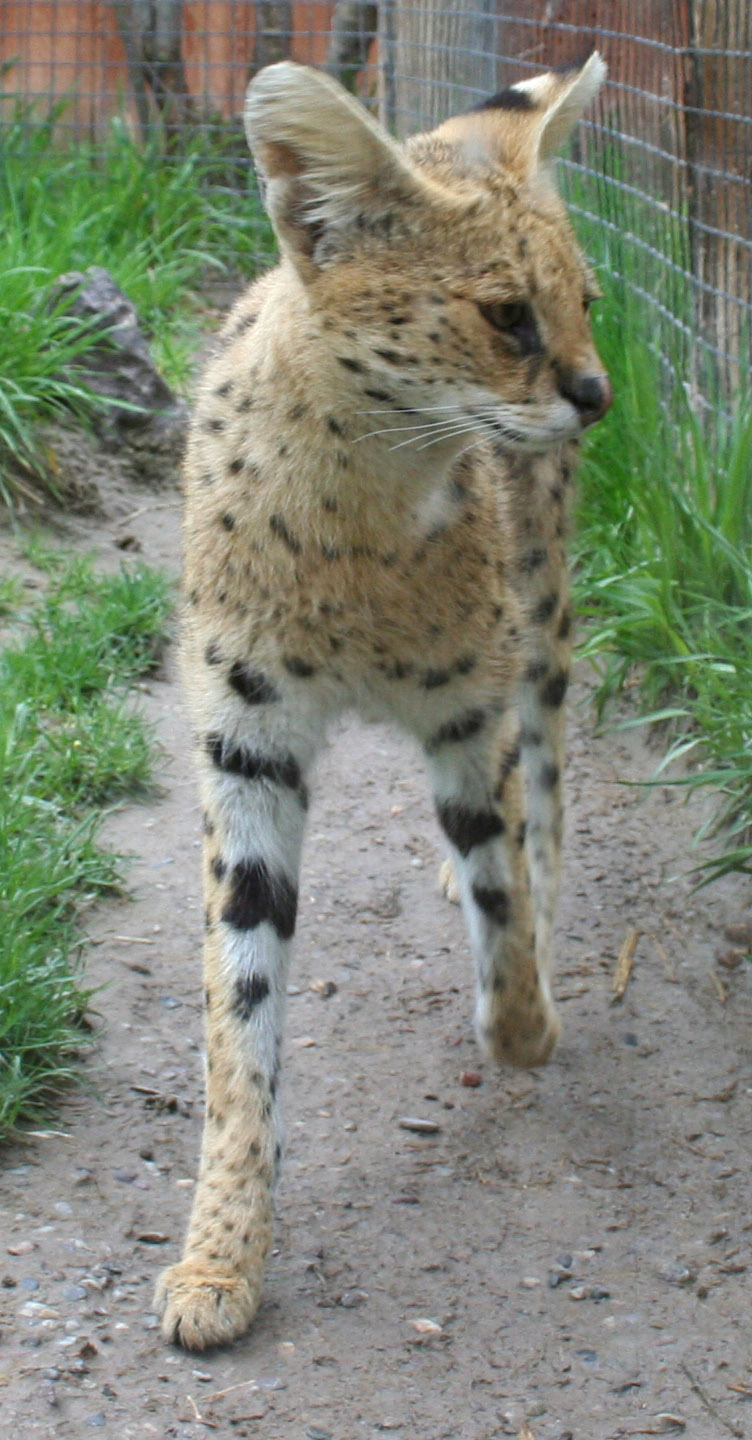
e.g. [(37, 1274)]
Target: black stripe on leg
[(251, 685), (235, 760), (454, 732), (554, 690), (250, 990), (466, 828), (257, 895), (493, 901)]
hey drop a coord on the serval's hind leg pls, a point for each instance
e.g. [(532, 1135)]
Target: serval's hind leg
[(480, 805)]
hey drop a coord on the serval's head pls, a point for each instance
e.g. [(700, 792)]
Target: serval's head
[(444, 273)]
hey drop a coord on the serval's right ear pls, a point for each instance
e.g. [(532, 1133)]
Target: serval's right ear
[(326, 167)]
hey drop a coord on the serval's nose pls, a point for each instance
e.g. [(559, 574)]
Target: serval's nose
[(591, 395)]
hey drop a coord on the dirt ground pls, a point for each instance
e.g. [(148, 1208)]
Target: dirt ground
[(570, 1248)]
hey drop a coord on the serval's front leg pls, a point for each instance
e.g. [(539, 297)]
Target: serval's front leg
[(480, 804), (255, 800)]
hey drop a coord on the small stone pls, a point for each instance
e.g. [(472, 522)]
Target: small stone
[(419, 1126), (203, 1376), (8, 1282), (669, 1422), (170, 1002), (599, 1292), (124, 1177), (63, 1208), (678, 1274), (21, 1247), (350, 1299), (565, 1261), (578, 1292), (471, 1078), (28, 1283), (96, 1421), (313, 1433), (424, 1326), (75, 1292), (324, 988), (152, 1237), (530, 1282)]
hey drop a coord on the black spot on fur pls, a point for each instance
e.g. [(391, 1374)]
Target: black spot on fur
[(350, 364), (258, 895), (228, 520), (549, 778), (382, 395), (235, 466), (465, 664), (213, 654), (432, 679), (330, 504), (208, 824), (392, 356), (334, 425), (455, 732), (532, 559), (251, 685), (281, 770), (555, 689), (225, 388), (398, 670), (219, 868), (279, 528), (536, 670), (466, 828), (250, 990), (494, 903), (545, 608), (244, 405), (529, 739), (300, 668)]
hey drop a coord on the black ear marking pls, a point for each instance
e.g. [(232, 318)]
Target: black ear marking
[(509, 99)]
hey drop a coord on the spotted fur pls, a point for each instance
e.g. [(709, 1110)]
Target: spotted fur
[(378, 485)]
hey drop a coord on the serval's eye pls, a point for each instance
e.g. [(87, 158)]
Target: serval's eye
[(514, 318)]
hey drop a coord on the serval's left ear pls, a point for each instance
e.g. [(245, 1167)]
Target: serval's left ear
[(524, 127), (326, 166)]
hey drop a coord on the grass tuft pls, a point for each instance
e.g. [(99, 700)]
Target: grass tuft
[(665, 570), (70, 743), (160, 222)]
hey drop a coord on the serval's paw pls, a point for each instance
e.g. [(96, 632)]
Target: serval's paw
[(523, 1035), (448, 882), (204, 1304)]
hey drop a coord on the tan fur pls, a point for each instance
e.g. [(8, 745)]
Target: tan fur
[(332, 563)]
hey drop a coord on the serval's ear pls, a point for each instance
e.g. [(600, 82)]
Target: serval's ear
[(523, 127), (325, 165)]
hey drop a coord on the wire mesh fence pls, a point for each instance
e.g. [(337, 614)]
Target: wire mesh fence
[(659, 178)]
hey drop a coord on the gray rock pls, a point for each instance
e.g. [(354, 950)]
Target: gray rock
[(119, 367)]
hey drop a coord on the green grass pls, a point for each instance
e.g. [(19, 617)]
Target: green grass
[(665, 566), (160, 222), (70, 744)]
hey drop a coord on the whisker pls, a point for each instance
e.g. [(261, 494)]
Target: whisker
[(447, 432), (398, 429)]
